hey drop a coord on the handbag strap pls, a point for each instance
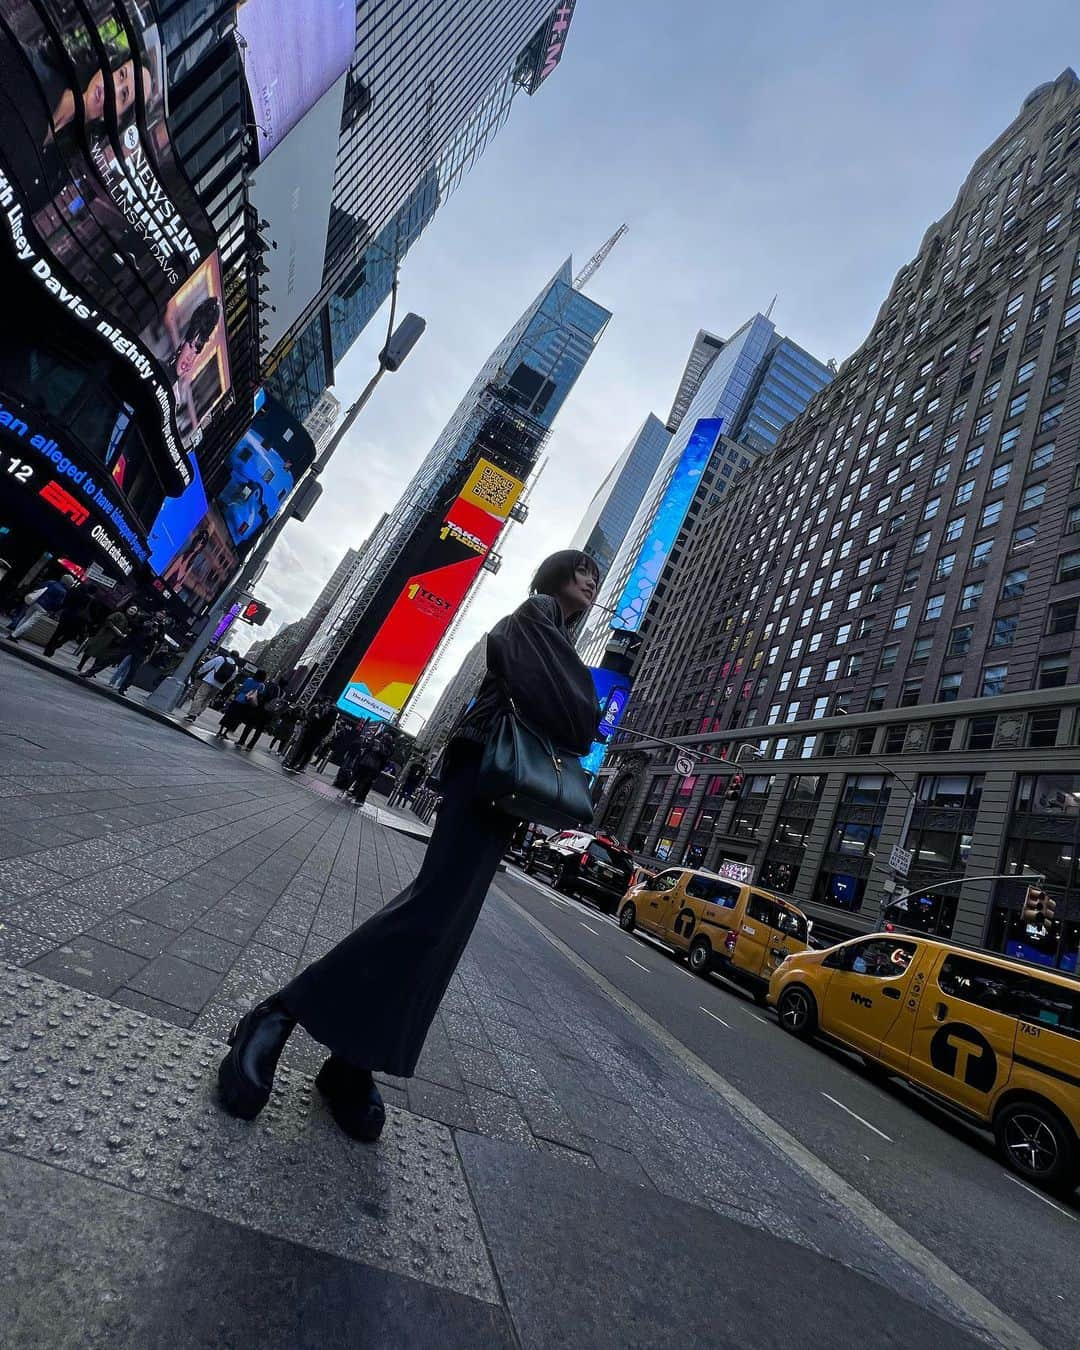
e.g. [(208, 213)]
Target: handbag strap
[(546, 742)]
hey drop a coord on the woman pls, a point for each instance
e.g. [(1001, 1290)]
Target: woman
[(245, 700), (372, 998), (105, 647)]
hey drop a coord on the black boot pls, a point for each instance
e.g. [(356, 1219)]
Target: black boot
[(354, 1100), (246, 1074)]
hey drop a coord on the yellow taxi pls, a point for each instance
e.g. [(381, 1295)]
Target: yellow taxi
[(738, 930), (995, 1039)]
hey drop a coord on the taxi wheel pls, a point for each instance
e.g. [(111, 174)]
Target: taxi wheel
[(699, 957), (797, 1011), (1038, 1144), (627, 918)]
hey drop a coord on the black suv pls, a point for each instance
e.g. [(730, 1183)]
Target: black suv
[(593, 865)]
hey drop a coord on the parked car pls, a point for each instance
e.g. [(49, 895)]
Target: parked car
[(994, 1038), (592, 865)]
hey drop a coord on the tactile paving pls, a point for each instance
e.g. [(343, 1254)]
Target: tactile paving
[(115, 1095)]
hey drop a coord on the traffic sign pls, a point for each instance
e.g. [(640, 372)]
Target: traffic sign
[(900, 860), (685, 764)]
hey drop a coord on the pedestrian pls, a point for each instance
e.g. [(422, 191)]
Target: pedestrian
[(283, 726), (353, 739), (44, 601), (372, 998), (256, 716), (106, 646), (316, 723), (211, 677), (73, 620), (373, 758), (333, 744), (246, 693), (147, 635)]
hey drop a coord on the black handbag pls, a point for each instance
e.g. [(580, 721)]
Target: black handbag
[(525, 776)]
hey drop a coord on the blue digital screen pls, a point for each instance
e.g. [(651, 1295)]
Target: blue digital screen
[(666, 525), (176, 521), (613, 694)]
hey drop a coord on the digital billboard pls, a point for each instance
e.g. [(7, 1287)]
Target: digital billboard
[(264, 466), (176, 522), (388, 671), (666, 524), (293, 51), (98, 211), (613, 694), (204, 566)]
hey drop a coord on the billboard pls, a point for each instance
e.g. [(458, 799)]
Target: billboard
[(550, 44), (666, 524), (613, 694), (204, 566), (176, 522), (388, 671), (293, 51), (98, 212), (297, 219), (264, 467)]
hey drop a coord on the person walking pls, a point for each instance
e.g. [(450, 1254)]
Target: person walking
[(256, 717), (283, 726), (146, 637), (212, 677), (245, 694), (332, 744), (45, 601), (374, 756), (316, 724), (371, 999), (73, 620), (105, 647)]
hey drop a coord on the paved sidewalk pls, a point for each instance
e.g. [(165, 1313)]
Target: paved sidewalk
[(550, 1176)]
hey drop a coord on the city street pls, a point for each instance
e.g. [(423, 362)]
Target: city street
[(589, 1124)]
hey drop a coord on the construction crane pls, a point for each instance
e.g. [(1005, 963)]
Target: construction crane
[(589, 270)]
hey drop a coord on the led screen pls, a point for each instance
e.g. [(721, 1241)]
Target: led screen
[(264, 467), (666, 523)]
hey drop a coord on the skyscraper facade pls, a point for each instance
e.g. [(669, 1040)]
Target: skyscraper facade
[(702, 354), (460, 690), (618, 497), (503, 419), (430, 84), (882, 618), (738, 392)]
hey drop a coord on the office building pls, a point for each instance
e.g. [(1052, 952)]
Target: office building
[(481, 460), (885, 609), (430, 84), (618, 497), (740, 394), (320, 422), (706, 348)]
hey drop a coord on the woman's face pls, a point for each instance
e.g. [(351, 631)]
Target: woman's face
[(185, 360), (123, 78), (579, 592)]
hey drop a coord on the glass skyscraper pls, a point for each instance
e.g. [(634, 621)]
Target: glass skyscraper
[(618, 497), (741, 401), (508, 410)]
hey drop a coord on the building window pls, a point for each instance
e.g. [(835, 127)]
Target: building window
[(980, 554), (1050, 417), (1053, 672), (853, 841), (909, 693), (954, 529), (920, 653), (981, 731), (969, 596), (751, 806), (895, 736), (900, 616), (1072, 520), (932, 507), (944, 566), (910, 579), (876, 700), (941, 736), (1033, 496), (993, 681), (1004, 632), (934, 605), (1023, 537), (832, 669), (920, 543), (1062, 616), (939, 838), (949, 688), (1007, 443), (1042, 728), (1014, 583), (960, 640), (1000, 476), (1068, 568), (963, 492), (787, 848), (1042, 457)]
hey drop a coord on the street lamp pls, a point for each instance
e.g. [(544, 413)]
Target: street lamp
[(399, 343)]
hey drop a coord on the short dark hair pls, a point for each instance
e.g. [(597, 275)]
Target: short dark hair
[(554, 572)]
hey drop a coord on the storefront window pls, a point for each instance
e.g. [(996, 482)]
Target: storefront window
[(787, 848), (853, 842), (748, 813)]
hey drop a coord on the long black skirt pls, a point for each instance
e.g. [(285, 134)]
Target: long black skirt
[(372, 998)]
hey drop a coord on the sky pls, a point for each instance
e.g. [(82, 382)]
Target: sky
[(797, 149)]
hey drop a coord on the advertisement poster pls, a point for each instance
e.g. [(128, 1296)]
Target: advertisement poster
[(96, 207), (204, 566), (390, 668), (293, 51), (643, 580), (264, 467)]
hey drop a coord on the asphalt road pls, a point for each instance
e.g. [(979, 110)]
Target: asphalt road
[(934, 1176)]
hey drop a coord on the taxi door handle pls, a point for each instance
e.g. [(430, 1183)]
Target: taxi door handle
[(891, 993), (940, 1012)]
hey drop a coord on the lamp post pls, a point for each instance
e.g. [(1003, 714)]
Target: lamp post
[(399, 344)]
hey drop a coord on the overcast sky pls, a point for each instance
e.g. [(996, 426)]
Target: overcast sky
[(799, 149)]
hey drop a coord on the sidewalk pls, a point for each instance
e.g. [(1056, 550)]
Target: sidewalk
[(550, 1176)]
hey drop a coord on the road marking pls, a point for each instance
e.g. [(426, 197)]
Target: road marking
[(714, 1017), (555, 901), (1009, 1334), (758, 1018), (638, 964), (589, 927), (855, 1116), (1038, 1195)]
